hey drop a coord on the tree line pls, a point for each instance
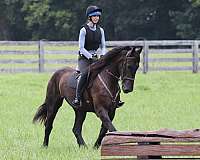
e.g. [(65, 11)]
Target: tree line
[(121, 20)]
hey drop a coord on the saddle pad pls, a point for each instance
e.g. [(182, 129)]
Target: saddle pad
[(73, 80)]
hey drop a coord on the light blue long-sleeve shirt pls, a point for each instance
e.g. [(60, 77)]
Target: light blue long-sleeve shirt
[(82, 34)]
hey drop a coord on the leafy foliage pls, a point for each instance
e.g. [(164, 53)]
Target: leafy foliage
[(187, 20), (45, 20), (122, 20)]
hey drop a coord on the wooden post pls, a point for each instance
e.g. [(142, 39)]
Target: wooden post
[(41, 56), (145, 57), (195, 57)]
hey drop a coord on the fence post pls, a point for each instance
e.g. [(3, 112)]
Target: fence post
[(195, 57), (41, 56), (145, 57)]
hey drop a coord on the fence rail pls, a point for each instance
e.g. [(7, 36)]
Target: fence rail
[(179, 55)]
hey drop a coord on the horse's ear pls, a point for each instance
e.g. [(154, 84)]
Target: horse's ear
[(137, 49), (127, 48)]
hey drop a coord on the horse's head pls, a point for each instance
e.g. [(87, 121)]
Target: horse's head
[(128, 68), (123, 62)]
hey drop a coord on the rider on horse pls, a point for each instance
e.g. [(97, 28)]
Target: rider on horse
[(91, 37)]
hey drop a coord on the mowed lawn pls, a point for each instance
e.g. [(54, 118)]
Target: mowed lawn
[(160, 100)]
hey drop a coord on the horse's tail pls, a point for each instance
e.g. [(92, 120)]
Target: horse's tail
[(41, 114)]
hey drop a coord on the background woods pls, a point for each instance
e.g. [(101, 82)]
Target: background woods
[(122, 20)]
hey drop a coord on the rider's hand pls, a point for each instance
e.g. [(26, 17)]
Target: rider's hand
[(94, 59)]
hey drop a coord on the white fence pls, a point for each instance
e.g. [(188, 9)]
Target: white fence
[(176, 55)]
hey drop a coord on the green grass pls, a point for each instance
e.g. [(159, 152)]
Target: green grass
[(160, 100)]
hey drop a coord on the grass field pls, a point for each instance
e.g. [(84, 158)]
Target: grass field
[(160, 100)]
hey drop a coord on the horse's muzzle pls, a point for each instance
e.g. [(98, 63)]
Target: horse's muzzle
[(127, 86)]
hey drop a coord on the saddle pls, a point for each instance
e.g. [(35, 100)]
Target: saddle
[(72, 83), (73, 79)]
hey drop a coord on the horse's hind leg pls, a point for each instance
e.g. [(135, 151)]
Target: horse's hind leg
[(52, 109), (77, 129), (103, 131)]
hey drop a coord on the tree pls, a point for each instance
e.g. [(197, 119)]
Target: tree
[(132, 19), (122, 20), (46, 20), (12, 25), (187, 20), (3, 22)]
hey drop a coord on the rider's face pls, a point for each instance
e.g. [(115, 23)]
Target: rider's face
[(95, 19)]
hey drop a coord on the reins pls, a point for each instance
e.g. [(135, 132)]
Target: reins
[(111, 74), (122, 76), (113, 97)]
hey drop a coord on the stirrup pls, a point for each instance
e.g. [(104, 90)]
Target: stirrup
[(77, 103)]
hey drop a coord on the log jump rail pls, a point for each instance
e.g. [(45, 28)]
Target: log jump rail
[(161, 144)]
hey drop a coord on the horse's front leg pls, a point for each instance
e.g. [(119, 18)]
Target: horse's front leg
[(102, 113), (77, 129), (103, 131)]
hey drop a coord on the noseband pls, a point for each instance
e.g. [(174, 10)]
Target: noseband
[(124, 66)]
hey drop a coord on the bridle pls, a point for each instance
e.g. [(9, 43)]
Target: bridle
[(112, 75), (124, 68), (113, 97)]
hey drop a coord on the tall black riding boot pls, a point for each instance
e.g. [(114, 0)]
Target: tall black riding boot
[(79, 89)]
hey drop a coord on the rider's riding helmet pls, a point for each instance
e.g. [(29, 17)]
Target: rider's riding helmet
[(93, 11)]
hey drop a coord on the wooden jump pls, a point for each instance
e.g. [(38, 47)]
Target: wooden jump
[(165, 144)]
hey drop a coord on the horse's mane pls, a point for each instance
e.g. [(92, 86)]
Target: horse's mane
[(106, 60)]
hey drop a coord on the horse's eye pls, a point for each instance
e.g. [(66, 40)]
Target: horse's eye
[(130, 67)]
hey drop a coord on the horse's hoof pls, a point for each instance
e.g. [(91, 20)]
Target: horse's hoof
[(96, 146), (44, 146), (83, 146)]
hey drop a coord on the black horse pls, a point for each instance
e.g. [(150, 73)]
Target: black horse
[(101, 95)]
